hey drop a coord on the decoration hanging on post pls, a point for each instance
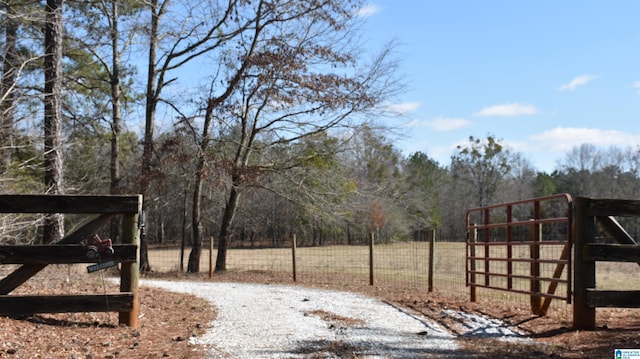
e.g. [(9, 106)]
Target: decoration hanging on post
[(96, 247)]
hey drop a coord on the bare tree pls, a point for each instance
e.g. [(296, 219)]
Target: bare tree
[(7, 82), (374, 164), (577, 168), (19, 59), (297, 76), (195, 29), (482, 164), (631, 178), (53, 176), (519, 182)]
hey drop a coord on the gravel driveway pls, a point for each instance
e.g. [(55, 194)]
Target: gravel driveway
[(279, 321)]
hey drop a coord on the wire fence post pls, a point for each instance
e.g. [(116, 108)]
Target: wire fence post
[(371, 258), (210, 257), (432, 242), (293, 256)]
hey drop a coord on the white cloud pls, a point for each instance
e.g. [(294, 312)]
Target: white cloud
[(514, 145), (508, 110), (442, 124), (442, 154), (566, 138), (578, 81), (636, 85), (413, 123), (368, 10), (404, 107)]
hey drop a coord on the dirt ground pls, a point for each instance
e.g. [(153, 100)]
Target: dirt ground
[(167, 320)]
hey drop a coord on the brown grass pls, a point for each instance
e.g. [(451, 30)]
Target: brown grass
[(405, 263)]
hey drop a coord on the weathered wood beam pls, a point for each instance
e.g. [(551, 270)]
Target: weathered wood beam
[(613, 298), (26, 305), (613, 207), (22, 274), (111, 204), (62, 254), (612, 252)]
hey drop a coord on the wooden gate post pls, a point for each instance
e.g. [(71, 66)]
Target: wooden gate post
[(129, 273), (584, 274)]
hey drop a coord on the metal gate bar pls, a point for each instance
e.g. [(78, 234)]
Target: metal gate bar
[(496, 228)]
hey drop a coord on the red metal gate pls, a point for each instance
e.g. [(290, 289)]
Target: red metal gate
[(522, 247)]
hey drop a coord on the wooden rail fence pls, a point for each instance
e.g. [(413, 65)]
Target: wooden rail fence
[(589, 213), (34, 258)]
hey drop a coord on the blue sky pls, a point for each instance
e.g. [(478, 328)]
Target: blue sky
[(542, 75)]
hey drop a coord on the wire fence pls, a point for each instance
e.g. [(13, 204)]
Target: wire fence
[(407, 266), (399, 262)]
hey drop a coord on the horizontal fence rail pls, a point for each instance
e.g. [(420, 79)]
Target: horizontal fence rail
[(521, 247), (74, 247)]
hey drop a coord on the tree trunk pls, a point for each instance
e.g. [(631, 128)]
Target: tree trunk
[(7, 84), (150, 109), (225, 226), (150, 114), (115, 114), (54, 223), (196, 250)]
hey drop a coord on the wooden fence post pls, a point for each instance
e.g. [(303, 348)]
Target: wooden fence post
[(371, 258), (293, 255), (584, 274), (211, 257), (129, 273)]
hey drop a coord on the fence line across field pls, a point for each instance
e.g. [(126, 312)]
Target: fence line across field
[(402, 264), (412, 262)]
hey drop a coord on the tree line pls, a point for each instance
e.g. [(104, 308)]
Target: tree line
[(246, 121)]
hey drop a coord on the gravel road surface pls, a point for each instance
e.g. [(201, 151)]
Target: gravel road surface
[(279, 321)]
